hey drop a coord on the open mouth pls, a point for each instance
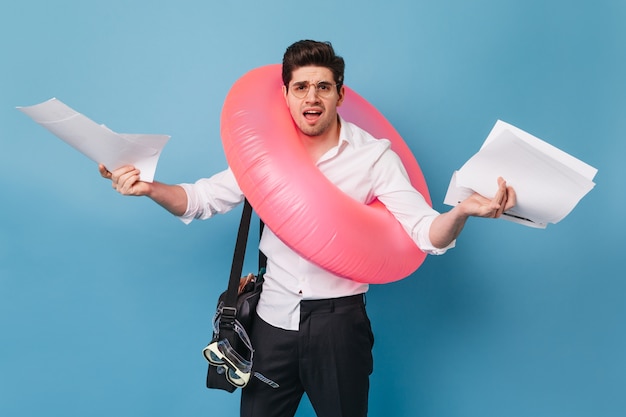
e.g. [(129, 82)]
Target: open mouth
[(312, 114)]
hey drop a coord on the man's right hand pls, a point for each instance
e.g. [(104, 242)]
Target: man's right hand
[(125, 180)]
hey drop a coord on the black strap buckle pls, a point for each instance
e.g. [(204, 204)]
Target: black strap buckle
[(227, 316)]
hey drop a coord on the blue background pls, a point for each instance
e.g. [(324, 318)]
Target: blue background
[(105, 301)]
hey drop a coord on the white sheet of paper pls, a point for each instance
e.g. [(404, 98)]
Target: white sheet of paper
[(548, 182), (98, 142), (566, 159)]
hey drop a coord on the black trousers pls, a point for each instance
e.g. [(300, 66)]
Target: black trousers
[(329, 358)]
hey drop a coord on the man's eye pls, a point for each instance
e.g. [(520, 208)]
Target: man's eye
[(323, 86), (300, 87)]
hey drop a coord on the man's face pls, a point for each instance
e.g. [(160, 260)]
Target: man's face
[(315, 113)]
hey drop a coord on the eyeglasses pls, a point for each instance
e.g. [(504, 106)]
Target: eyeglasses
[(323, 89)]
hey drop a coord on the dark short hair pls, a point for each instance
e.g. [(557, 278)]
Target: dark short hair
[(307, 52)]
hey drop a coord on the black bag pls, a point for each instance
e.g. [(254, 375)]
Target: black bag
[(230, 352)]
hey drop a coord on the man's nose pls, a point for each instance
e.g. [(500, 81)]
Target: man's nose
[(311, 94)]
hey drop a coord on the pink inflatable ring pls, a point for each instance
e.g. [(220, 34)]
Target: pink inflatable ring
[(364, 243)]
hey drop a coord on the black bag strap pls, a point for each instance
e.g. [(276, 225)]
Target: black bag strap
[(262, 257), (240, 251), (229, 309)]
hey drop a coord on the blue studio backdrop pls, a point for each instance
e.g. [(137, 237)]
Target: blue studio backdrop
[(106, 301)]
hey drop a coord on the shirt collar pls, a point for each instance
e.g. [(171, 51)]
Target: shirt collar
[(345, 139), (345, 134)]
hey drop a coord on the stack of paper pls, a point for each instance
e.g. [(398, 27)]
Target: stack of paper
[(548, 182), (98, 142)]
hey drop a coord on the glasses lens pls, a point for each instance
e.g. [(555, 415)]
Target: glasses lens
[(324, 89), (235, 379), (213, 355), (300, 89), (214, 359)]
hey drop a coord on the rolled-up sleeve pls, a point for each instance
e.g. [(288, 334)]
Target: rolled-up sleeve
[(421, 235), (408, 206), (209, 196)]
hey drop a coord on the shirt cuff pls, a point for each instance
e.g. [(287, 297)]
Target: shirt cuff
[(423, 239), (189, 215)]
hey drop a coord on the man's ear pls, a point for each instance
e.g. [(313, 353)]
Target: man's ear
[(285, 95), (342, 92)]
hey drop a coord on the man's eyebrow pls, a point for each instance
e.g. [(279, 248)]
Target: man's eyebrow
[(308, 82)]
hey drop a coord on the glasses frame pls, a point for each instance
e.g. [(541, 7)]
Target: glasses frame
[(308, 85)]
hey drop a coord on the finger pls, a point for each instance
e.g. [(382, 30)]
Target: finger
[(123, 179), (497, 203), (128, 181), (117, 173), (122, 174), (500, 210), (501, 199), (511, 200), (104, 172)]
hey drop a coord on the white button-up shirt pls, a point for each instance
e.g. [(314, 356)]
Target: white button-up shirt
[(361, 166)]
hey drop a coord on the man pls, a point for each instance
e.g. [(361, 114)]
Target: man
[(311, 333)]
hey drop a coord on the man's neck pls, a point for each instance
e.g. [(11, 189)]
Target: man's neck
[(317, 146)]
